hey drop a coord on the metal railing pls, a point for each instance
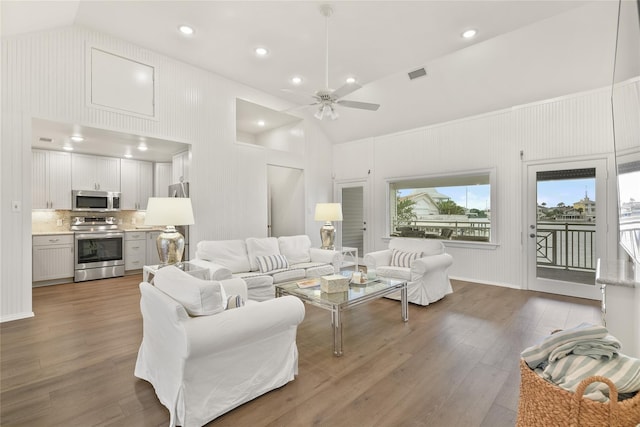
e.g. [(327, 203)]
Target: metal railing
[(474, 230), (566, 245)]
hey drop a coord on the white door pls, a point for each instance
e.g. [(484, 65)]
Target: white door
[(565, 226), (286, 201), (353, 229)]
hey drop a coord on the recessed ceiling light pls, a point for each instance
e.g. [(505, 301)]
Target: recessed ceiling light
[(296, 80), (469, 34), (67, 148), (186, 30), (261, 123), (128, 156), (142, 147), (77, 138), (350, 80), (261, 51)]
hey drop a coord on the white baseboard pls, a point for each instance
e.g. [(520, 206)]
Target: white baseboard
[(485, 282), (16, 316)]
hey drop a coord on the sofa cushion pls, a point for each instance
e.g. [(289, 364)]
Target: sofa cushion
[(228, 253), (269, 263), (403, 259), (428, 247), (199, 297), (316, 269), (261, 247), (295, 248), (287, 275), (400, 273)]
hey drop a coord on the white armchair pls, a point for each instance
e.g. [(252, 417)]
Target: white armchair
[(426, 272), (205, 365)]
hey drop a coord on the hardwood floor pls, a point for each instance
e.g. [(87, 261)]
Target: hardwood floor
[(455, 363)]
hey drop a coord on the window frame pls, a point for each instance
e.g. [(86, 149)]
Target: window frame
[(491, 172)]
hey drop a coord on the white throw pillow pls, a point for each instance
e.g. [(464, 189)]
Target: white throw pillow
[(403, 259), (261, 247), (228, 253), (272, 262), (199, 297), (295, 248)]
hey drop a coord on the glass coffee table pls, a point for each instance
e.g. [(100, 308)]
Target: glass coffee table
[(149, 271), (336, 303)]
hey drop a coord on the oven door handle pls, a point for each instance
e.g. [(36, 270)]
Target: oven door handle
[(86, 236)]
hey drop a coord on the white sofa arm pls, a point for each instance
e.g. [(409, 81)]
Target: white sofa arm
[(235, 286), (251, 323), (376, 259), (328, 256), (423, 265), (216, 271)]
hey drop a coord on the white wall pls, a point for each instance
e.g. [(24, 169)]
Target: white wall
[(568, 127), (286, 190), (43, 76)]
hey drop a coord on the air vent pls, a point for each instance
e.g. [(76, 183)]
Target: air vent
[(420, 72), (49, 140)]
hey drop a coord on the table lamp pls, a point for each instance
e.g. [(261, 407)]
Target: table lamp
[(169, 212), (328, 212)]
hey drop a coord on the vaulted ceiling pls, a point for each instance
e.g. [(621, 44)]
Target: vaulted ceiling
[(524, 51)]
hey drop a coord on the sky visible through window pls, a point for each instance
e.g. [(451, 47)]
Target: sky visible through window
[(468, 196), (567, 191)]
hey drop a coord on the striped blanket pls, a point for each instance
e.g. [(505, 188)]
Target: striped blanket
[(567, 357)]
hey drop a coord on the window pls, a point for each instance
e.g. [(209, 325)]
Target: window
[(448, 207)]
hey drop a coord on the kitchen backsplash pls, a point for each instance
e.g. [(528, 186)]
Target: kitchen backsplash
[(54, 221)]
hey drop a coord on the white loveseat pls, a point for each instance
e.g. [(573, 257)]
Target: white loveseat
[(259, 261), (423, 263), (203, 358)]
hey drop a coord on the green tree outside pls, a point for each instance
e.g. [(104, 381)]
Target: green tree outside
[(404, 209), (449, 207)]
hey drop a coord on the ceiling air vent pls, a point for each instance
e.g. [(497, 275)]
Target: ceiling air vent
[(420, 72), (43, 139)]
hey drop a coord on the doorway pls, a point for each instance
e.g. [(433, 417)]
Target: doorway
[(566, 226), (353, 228), (285, 208)]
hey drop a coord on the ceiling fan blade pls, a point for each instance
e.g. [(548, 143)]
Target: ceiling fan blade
[(361, 105), (298, 107), (345, 90)]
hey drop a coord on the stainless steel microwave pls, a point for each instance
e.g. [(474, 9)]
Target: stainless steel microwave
[(95, 201)]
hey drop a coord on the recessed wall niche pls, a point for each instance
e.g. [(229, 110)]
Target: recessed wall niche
[(120, 84), (264, 127)]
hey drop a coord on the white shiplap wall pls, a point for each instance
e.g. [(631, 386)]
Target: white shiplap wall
[(43, 76), (558, 129)]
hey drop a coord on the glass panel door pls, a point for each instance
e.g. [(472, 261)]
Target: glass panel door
[(352, 230), (566, 227)]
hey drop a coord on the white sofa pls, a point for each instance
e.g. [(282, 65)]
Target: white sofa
[(240, 259), (427, 277), (207, 363)]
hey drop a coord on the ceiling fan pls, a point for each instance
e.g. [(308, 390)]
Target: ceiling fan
[(327, 99)]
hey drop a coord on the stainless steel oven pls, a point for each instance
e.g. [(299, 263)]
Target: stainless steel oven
[(99, 248)]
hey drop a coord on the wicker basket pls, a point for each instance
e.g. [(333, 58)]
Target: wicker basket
[(544, 404)]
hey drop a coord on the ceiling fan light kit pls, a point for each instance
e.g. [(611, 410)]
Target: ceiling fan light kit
[(327, 99)]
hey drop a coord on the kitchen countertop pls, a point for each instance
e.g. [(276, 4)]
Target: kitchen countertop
[(45, 233), (616, 273)]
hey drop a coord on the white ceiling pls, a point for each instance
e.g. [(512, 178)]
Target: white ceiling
[(525, 50)]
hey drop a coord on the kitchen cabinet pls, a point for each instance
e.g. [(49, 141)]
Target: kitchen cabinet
[(162, 176), (136, 184), (53, 257), (180, 167), (50, 180), (135, 249), (95, 172), (152, 249)]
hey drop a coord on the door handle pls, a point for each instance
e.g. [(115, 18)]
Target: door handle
[(364, 229)]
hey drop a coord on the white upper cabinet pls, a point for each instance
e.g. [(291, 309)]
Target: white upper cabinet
[(51, 180), (137, 184), (95, 172), (181, 165), (162, 176)]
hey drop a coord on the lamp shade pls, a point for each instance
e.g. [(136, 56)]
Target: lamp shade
[(169, 211), (328, 212)]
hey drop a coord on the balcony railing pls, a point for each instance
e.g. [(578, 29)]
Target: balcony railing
[(566, 245), (473, 230)]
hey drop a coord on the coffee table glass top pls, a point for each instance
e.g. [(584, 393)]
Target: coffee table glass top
[(357, 292)]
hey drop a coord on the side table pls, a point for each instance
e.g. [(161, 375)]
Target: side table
[(352, 253), (149, 271)]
